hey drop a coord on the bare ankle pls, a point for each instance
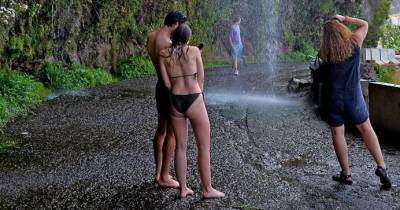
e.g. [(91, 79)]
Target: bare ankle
[(207, 189), (165, 177)]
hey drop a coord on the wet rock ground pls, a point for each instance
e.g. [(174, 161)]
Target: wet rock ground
[(93, 150)]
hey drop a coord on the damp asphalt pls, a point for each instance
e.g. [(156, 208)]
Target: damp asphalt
[(92, 149)]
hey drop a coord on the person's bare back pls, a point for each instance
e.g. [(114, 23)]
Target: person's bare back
[(157, 41), (190, 64)]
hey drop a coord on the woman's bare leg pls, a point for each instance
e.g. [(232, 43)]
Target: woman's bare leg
[(180, 126), (371, 141), (198, 116), (341, 150)]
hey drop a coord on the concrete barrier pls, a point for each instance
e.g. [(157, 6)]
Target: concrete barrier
[(385, 55), (366, 55), (379, 55), (392, 56), (384, 105), (376, 56)]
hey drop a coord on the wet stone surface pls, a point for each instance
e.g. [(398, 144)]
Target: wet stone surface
[(270, 150)]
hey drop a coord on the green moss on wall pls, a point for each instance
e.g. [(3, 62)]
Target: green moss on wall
[(101, 33)]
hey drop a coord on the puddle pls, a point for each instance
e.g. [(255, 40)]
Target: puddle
[(219, 98), (296, 162), (271, 160), (58, 93)]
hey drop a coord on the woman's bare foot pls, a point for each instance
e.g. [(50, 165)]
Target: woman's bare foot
[(213, 193), (183, 193), (167, 183)]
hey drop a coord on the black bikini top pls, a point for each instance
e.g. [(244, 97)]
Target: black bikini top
[(188, 75)]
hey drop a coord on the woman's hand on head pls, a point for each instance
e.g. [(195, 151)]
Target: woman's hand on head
[(341, 18)]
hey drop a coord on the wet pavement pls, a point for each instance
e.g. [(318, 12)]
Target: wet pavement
[(270, 150)]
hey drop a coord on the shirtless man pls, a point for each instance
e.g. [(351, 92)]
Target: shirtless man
[(164, 140)]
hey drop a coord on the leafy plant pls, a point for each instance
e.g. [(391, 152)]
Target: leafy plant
[(4, 112), (391, 37), (135, 67), (305, 53), (387, 73), (217, 63), (7, 146), (58, 75), (375, 29), (18, 93)]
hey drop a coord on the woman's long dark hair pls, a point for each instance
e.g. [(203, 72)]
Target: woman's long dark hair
[(180, 38)]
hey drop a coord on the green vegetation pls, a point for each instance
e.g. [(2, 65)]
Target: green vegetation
[(58, 75), (115, 30), (391, 37), (387, 73), (305, 53), (296, 56), (7, 146), (375, 30), (18, 93), (221, 62), (134, 67)]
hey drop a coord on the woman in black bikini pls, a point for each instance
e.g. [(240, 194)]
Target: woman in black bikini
[(182, 70)]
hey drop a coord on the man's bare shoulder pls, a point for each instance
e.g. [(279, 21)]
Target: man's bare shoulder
[(152, 34), (162, 41), (163, 38)]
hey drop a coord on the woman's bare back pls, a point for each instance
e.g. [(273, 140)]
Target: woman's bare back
[(183, 70)]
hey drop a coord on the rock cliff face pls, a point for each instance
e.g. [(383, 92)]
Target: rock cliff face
[(370, 7), (100, 33), (95, 33)]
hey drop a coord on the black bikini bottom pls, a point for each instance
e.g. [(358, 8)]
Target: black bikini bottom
[(183, 102)]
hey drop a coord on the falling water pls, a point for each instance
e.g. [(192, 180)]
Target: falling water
[(263, 26), (272, 33)]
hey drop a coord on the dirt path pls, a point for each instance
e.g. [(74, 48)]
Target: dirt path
[(93, 150)]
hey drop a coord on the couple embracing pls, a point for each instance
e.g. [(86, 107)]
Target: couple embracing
[(179, 97)]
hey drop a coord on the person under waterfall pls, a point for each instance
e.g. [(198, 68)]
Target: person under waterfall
[(236, 45)]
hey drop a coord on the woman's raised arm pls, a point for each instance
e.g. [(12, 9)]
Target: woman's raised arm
[(362, 27)]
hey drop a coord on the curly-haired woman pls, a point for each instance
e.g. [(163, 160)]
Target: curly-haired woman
[(342, 96)]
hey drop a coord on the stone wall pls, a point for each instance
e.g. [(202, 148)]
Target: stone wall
[(100, 33)]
